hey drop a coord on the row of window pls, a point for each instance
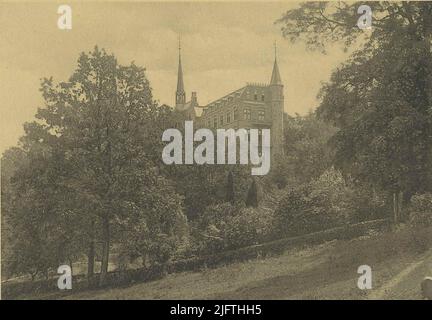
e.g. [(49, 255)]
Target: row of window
[(256, 96), (246, 116)]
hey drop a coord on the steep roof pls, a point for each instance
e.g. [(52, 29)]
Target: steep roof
[(275, 78), (180, 85)]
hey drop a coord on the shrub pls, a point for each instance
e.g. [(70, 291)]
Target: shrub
[(225, 226), (420, 210), (365, 204), (250, 226), (314, 206), (208, 230), (327, 202), (252, 195), (299, 213)]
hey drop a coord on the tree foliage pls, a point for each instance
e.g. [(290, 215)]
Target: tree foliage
[(380, 99), (91, 167)]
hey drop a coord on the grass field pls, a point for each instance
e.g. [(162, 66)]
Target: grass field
[(328, 271)]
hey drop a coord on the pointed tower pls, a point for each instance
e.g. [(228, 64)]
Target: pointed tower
[(277, 110), (180, 93), (275, 78)]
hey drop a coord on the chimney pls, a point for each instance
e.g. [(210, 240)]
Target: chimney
[(194, 99)]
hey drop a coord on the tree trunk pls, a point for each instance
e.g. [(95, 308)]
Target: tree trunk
[(71, 266), (105, 250), (91, 256), (400, 215), (397, 206), (90, 260)]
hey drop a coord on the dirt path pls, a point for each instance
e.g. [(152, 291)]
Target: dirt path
[(406, 284)]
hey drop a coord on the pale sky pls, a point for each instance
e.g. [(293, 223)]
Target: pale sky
[(224, 45)]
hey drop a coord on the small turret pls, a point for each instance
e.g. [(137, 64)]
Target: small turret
[(180, 92), (277, 109), (275, 78)]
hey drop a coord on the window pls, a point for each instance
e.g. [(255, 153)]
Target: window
[(235, 116), (255, 97), (209, 123), (221, 120), (215, 123), (262, 97), (228, 116), (247, 114), (261, 115)]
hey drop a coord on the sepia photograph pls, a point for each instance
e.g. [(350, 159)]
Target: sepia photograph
[(237, 151)]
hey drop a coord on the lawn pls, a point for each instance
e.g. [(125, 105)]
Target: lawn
[(399, 260)]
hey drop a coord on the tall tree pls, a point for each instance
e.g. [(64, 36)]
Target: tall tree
[(230, 188), (252, 195), (381, 98), (100, 130)]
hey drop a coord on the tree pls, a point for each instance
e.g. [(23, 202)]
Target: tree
[(380, 99), (252, 195), (92, 161), (306, 146), (155, 227), (230, 188), (37, 209), (11, 160)]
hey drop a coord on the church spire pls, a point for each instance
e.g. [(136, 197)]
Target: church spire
[(275, 78), (180, 93)]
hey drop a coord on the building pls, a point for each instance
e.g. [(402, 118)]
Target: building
[(255, 105)]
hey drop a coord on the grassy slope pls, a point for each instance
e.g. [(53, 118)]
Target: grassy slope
[(327, 271)]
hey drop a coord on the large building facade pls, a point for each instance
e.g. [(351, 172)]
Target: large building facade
[(259, 106)]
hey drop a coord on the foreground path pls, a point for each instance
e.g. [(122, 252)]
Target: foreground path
[(405, 285)]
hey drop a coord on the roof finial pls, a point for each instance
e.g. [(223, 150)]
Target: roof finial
[(275, 78), (275, 49)]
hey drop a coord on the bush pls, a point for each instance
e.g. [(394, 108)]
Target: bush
[(300, 213), (314, 206), (249, 226), (327, 202), (208, 230), (420, 210), (252, 195), (365, 204), (225, 226)]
